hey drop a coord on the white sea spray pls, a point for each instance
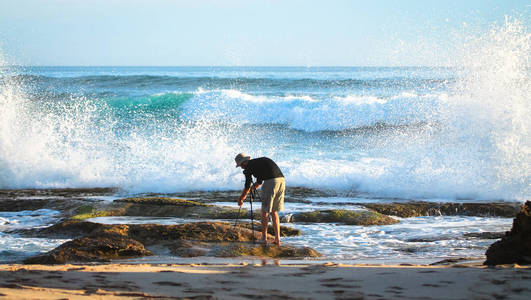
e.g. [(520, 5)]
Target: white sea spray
[(376, 131)]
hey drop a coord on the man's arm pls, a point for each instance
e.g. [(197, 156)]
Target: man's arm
[(243, 196), (245, 192)]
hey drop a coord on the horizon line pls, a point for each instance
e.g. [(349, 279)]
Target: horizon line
[(235, 66)]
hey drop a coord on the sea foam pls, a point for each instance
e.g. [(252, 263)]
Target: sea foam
[(465, 138)]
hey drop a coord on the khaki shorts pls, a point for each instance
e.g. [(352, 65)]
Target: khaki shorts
[(273, 194)]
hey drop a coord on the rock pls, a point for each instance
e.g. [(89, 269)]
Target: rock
[(173, 207), (151, 233), (94, 248), (485, 235), (192, 249), (64, 230), (293, 194), (220, 212), (162, 201), (53, 193), (89, 211), (284, 230), (58, 199), (198, 231), (431, 239), (103, 242), (470, 235), (420, 208), (283, 251), (29, 204), (287, 218), (348, 217), (450, 261), (515, 246)]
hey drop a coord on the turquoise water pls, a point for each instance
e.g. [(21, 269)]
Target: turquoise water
[(458, 132), (398, 132)]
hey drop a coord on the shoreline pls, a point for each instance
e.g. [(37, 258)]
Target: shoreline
[(82, 203), (257, 281), (240, 277), (250, 260)]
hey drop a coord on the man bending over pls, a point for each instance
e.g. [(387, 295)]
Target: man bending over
[(267, 172)]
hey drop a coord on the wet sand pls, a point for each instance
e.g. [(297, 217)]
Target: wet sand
[(269, 281)]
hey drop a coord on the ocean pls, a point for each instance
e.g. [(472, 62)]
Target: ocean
[(385, 132), (458, 133)]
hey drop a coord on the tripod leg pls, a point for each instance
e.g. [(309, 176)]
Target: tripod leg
[(252, 216), (238, 216)]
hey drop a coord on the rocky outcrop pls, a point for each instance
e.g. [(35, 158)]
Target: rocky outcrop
[(485, 235), (348, 217), (284, 230), (64, 200), (194, 249), (99, 248), (65, 192), (515, 246), (151, 233), (65, 230), (419, 209), (293, 194), (283, 251), (173, 207), (156, 207), (104, 242)]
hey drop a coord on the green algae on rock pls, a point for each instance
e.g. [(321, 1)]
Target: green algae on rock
[(348, 217), (89, 211), (173, 207)]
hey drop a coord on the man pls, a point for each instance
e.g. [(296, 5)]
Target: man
[(267, 172)]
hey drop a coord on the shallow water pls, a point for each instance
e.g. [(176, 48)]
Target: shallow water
[(415, 240), (13, 247), (427, 239), (443, 235)]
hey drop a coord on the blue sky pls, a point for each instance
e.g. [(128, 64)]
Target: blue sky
[(244, 32)]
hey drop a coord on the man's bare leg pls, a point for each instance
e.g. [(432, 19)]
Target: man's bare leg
[(265, 221), (276, 226)]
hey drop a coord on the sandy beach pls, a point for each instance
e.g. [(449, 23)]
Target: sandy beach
[(269, 281)]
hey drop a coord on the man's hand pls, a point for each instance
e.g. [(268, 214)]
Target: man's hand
[(243, 196), (246, 191)]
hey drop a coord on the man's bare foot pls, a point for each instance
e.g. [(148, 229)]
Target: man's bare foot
[(277, 243)]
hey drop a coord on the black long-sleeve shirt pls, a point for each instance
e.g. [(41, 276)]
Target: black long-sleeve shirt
[(262, 168)]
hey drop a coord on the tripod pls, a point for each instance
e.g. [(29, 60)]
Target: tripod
[(252, 196)]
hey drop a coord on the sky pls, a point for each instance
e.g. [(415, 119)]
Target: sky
[(244, 32)]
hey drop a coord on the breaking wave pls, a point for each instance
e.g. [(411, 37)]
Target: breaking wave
[(463, 135)]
